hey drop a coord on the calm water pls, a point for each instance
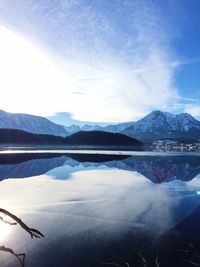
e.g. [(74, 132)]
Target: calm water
[(101, 210)]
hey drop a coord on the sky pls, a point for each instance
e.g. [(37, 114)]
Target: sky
[(99, 61)]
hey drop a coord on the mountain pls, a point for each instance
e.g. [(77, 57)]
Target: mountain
[(30, 123), (165, 125), (157, 125), (88, 127), (93, 138), (77, 128), (117, 128), (72, 129), (158, 121), (112, 128)]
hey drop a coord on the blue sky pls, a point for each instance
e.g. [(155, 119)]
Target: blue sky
[(100, 61)]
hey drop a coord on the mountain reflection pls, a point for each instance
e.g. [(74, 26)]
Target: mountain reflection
[(156, 168)]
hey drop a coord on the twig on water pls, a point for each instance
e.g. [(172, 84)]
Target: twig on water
[(32, 231), (19, 256)]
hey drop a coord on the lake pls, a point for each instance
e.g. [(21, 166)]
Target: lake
[(121, 209)]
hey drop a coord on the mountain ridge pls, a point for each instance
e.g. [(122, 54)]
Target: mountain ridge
[(165, 125), (30, 123), (157, 125)]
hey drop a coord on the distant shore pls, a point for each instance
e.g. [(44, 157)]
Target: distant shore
[(41, 150), (70, 147)]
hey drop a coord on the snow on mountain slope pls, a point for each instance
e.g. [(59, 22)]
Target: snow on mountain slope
[(164, 125), (30, 123), (152, 127), (157, 122), (186, 122), (72, 129), (117, 128)]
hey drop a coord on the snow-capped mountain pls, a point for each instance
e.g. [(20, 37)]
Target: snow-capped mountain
[(112, 128), (158, 121), (118, 128), (156, 125), (159, 125), (30, 123), (72, 129), (87, 127)]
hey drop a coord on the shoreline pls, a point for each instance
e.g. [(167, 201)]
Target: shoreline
[(30, 150)]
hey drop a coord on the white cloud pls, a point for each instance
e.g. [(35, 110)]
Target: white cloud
[(193, 109), (102, 76)]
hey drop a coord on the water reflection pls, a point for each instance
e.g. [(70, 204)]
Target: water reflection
[(4, 230), (94, 209), (156, 168)]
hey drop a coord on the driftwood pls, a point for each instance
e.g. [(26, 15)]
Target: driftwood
[(32, 231)]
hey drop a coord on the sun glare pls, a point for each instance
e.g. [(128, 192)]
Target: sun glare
[(28, 77), (4, 230)]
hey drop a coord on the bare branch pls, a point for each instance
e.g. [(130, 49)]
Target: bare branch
[(19, 256), (33, 232)]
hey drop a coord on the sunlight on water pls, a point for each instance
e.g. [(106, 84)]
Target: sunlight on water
[(103, 196), (4, 229)]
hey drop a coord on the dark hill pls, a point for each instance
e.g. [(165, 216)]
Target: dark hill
[(93, 138), (15, 136), (100, 138)]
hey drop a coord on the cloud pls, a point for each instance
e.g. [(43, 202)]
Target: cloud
[(193, 109), (97, 66)]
